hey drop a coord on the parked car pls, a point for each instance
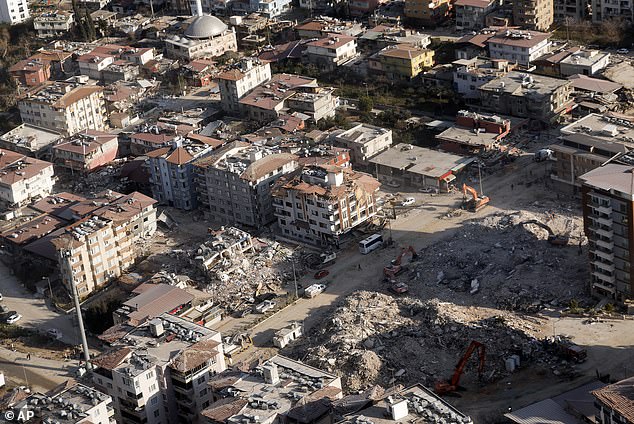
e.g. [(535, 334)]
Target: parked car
[(321, 274), (54, 333), (399, 288), (0, 297), (623, 51), (13, 317), (393, 184), (265, 306), (408, 201)]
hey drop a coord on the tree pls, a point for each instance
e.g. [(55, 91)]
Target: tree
[(365, 104), (90, 26)]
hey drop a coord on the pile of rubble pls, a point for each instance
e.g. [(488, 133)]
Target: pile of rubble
[(504, 262), (372, 338)]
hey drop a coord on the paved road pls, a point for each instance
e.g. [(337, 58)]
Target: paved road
[(35, 312)]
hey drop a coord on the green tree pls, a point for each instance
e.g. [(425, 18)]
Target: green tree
[(365, 104), (90, 26)]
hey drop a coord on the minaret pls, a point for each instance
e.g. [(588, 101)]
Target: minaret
[(199, 8)]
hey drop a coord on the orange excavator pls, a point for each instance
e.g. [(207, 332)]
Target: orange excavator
[(395, 267), (451, 386), (476, 202)]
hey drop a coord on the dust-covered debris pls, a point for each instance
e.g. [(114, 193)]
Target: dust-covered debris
[(372, 338), (500, 262)]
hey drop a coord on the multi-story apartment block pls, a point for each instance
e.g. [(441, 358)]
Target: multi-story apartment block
[(271, 8), (23, 179), (428, 12), (362, 7), (265, 393), (14, 11), (69, 403), (471, 74), (533, 14), (158, 372), (571, 10), (331, 52), (172, 172), (401, 61), (471, 14), (324, 202), (235, 83), (286, 93), (101, 58), (521, 47), (608, 219), (99, 247), (589, 142), (55, 24), (527, 96), (64, 107), (364, 141), (603, 10), (86, 151), (235, 183)]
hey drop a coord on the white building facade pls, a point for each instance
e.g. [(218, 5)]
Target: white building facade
[(14, 11)]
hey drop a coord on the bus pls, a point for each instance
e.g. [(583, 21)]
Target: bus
[(371, 243)]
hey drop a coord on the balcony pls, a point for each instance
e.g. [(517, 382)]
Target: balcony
[(608, 245), (607, 268), (603, 233), (605, 279), (603, 255), (606, 287)]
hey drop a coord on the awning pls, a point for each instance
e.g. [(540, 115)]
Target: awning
[(449, 178)]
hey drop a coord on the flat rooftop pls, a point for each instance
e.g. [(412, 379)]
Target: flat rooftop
[(30, 137), (69, 406), (610, 127), (419, 160), (297, 383), (523, 84), (469, 136), (362, 133), (613, 178), (141, 350), (422, 406)]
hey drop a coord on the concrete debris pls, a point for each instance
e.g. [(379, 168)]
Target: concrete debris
[(372, 338), (505, 264)]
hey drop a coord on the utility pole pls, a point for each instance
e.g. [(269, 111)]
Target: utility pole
[(50, 290), (80, 319), (295, 279)]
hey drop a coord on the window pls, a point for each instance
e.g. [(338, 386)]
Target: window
[(157, 412), (154, 400), (153, 387), (203, 392)]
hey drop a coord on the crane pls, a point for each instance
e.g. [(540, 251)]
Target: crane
[(476, 202), (395, 267), (554, 239), (445, 387)]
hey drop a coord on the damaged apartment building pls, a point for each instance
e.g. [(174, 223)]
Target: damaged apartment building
[(280, 390), (234, 184), (324, 202), (103, 243), (158, 372)]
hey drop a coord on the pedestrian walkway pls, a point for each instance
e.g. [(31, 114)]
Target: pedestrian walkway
[(38, 373)]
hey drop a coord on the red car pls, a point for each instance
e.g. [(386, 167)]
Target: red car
[(321, 274), (399, 288)]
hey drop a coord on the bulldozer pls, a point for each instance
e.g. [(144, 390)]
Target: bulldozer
[(554, 239), (395, 267), (475, 203), (451, 386)]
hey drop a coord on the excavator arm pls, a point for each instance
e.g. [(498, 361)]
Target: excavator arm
[(443, 387), (466, 189), (539, 224)]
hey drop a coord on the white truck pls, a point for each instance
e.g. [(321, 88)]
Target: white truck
[(313, 290)]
